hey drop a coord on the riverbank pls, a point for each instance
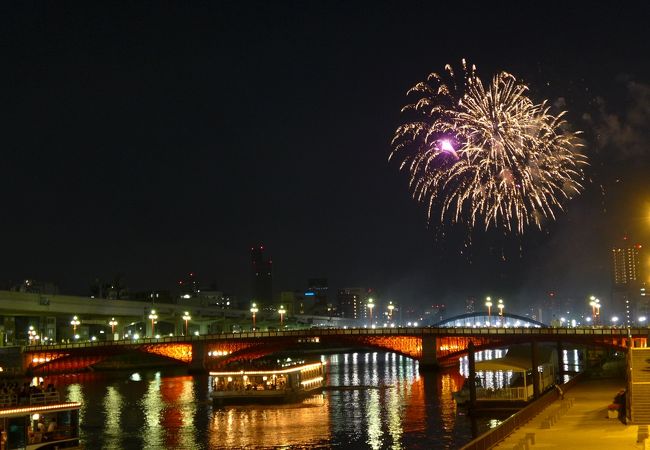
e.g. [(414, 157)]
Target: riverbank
[(580, 422)]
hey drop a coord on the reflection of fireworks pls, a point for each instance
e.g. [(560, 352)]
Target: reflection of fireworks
[(487, 153)]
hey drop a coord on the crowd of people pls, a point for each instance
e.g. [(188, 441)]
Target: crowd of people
[(20, 393)]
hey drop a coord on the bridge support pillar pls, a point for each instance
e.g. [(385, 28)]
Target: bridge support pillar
[(197, 365), (560, 363), (471, 365), (535, 372), (429, 360)]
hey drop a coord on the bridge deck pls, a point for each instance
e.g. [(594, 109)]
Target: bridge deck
[(531, 333)]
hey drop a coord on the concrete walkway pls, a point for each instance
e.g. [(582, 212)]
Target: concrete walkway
[(584, 425)]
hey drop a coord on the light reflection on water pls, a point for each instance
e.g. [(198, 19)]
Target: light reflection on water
[(374, 400)]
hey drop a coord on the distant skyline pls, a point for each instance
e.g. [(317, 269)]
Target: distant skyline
[(155, 140)]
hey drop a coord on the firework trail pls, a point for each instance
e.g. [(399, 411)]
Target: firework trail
[(487, 155)]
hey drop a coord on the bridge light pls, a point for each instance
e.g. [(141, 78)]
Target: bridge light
[(75, 322), (186, 318), (371, 304), (112, 323), (501, 305), (488, 303), (253, 312), (153, 316)]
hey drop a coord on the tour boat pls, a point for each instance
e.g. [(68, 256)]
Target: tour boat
[(42, 422), (279, 381)]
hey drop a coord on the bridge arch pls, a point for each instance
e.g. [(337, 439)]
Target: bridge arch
[(480, 319)]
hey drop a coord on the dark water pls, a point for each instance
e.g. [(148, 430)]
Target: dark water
[(393, 406)]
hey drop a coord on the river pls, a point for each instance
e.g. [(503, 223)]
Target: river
[(372, 400)]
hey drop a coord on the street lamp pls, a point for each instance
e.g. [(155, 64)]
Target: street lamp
[(614, 320), (597, 319), (112, 323), (501, 305), (391, 307), (593, 302), (74, 322), (282, 311), (253, 312), (153, 316), (186, 318), (33, 337), (371, 304), (488, 303)]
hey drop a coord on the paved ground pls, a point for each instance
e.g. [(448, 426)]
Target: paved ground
[(582, 426)]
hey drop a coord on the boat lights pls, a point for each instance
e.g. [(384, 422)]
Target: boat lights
[(35, 409), (269, 372)]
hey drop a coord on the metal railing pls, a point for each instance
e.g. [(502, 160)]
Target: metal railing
[(521, 418), (440, 332), (37, 398)]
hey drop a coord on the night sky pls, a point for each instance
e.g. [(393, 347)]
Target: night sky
[(154, 139)]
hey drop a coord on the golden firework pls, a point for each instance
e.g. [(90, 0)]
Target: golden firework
[(487, 154)]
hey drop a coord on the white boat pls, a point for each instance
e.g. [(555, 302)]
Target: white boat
[(42, 422), (284, 381)]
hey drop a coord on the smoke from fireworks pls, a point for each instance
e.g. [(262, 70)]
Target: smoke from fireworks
[(487, 155)]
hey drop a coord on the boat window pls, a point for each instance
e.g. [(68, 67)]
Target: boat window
[(16, 433)]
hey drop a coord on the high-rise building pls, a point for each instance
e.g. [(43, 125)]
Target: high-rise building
[(352, 302), (262, 275), (627, 283), (626, 264)]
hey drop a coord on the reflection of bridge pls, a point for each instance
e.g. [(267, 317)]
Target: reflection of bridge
[(430, 346)]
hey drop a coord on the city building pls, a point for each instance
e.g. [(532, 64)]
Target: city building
[(352, 302), (628, 287), (317, 293), (262, 275)]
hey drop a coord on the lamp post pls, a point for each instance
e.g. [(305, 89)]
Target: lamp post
[(501, 305), (371, 304), (33, 337), (282, 311), (253, 312), (597, 312), (153, 316), (74, 322), (488, 303), (112, 323), (187, 318), (391, 307), (593, 303)]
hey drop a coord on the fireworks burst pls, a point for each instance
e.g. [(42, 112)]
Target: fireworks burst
[(487, 155)]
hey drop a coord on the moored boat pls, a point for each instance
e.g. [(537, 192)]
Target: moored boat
[(279, 381), (42, 422)]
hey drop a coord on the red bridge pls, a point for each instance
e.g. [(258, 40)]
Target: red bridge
[(430, 346)]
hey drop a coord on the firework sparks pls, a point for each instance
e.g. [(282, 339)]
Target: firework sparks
[(487, 155)]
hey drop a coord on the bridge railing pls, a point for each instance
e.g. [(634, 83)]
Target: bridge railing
[(406, 331)]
